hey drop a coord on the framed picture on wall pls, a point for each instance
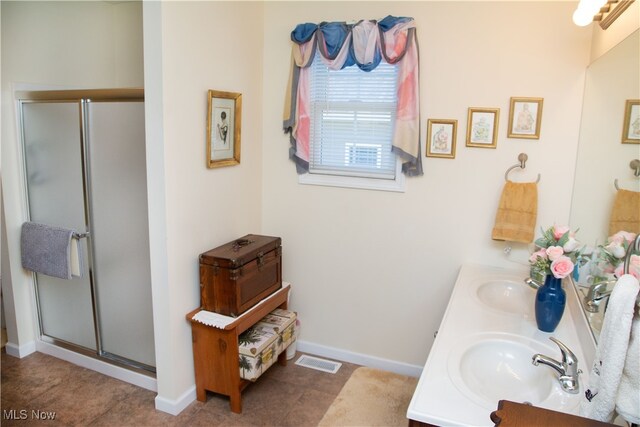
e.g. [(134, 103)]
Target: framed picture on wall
[(631, 126), (441, 138), (525, 116), (223, 128), (482, 127)]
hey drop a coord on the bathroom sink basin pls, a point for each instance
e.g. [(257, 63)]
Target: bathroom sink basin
[(507, 296), (484, 348), (498, 366)]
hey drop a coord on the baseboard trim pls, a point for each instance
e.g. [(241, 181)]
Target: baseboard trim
[(360, 359), (20, 351), (108, 369), (174, 407)]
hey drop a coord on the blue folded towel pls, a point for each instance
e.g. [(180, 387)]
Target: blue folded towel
[(50, 250)]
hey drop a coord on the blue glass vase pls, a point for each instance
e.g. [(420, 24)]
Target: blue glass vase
[(550, 302)]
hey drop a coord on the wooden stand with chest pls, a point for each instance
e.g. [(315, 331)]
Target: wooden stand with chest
[(215, 351), (234, 278)]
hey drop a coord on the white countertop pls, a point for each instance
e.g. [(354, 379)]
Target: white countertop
[(443, 398)]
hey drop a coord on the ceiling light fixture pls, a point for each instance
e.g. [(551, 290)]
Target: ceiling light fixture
[(586, 10), (611, 11)]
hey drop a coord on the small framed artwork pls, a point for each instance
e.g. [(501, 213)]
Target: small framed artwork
[(631, 126), (223, 128), (525, 116), (441, 138), (482, 127)]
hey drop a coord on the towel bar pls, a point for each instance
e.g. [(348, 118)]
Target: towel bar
[(81, 235), (635, 167), (522, 158)]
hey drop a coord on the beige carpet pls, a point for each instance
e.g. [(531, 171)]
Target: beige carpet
[(371, 398)]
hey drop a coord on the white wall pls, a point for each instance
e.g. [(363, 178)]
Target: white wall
[(55, 44), (384, 294), (197, 46)]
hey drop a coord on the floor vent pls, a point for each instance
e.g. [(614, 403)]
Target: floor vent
[(318, 364)]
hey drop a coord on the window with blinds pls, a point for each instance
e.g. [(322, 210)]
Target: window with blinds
[(352, 116)]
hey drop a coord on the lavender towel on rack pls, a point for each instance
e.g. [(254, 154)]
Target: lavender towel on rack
[(50, 250)]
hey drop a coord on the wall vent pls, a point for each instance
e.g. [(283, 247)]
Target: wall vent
[(319, 364)]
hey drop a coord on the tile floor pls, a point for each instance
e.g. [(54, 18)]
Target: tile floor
[(283, 396)]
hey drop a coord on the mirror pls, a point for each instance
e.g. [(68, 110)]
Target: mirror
[(602, 158)]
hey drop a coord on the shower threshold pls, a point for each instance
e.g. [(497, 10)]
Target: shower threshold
[(90, 359)]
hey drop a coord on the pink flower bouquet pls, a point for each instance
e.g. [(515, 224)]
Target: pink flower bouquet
[(611, 255), (557, 252)]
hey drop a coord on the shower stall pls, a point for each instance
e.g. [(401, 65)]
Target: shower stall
[(84, 167)]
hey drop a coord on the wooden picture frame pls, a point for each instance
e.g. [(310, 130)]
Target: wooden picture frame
[(441, 138), (482, 127), (631, 124), (224, 122), (525, 118)]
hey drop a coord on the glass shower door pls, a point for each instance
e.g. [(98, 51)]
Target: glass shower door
[(120, 229), (53, 159)]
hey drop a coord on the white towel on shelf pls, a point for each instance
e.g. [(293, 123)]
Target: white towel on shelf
[(212, 319), (599, 400)]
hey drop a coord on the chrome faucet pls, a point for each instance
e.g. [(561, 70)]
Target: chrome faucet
[(532, 283), (567, 369), (596, 294), (633, 246)]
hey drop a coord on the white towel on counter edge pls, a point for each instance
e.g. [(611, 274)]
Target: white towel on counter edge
[(599, 399), (628, 402)]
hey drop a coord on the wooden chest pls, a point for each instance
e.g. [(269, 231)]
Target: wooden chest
[(237, 275)]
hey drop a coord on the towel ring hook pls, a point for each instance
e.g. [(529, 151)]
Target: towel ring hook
[(522, 158), (635, 167)]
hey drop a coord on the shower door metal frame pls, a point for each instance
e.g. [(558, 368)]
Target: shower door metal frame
[(82, 98)]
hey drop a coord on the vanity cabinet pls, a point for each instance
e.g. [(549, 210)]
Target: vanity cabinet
[(215, 351), (512, 414)]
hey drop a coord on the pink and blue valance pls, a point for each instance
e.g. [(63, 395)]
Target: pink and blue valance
[(363, 44)]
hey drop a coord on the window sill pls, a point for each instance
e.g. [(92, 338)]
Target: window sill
[(396, 185)]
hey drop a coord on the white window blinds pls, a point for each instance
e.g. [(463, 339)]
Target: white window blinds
[(352, 117)]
